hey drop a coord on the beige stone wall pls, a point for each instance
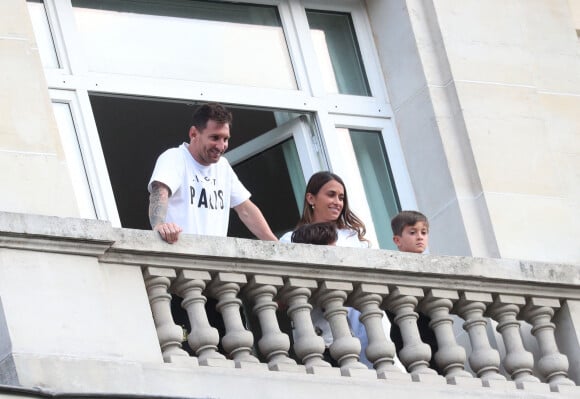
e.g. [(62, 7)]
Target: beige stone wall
[(494, 86), (516, 68), (433, 133), (34, 176)]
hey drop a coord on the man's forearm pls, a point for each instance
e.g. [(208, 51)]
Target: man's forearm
[(252, 217), (158, 203), (262, 231)]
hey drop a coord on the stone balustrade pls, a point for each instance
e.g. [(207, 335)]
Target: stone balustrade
[(278, 288), (278, 295), (223, 304)]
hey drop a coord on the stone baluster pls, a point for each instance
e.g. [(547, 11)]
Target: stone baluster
[(203, 338), (552, 364), (274, 344), (415, 354), (367, 298), (450, 356), (237, 341), (345, 348), (157, 282), (518, 362), (308, 346), (484, 360)]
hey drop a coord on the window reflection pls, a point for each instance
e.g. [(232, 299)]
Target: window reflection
[(338, 53), (203, 41), (373, 164)]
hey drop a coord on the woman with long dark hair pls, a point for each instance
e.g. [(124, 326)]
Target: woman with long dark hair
[(326, 200)]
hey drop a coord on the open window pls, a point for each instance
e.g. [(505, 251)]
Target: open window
[(271, 151)]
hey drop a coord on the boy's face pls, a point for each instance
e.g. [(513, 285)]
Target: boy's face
[(413, 239)]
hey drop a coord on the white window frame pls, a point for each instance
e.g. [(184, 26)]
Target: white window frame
[(394, 150), (343, 162), (367, 48), (330, 110), (311, 158), (86, 161)]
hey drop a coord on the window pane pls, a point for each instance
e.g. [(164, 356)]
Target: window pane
[(378, 182), (43, 34), (68, 133), (295, 172), (338, 53), (183, 39), (271, 177)]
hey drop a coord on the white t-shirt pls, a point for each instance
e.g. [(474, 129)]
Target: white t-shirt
[(346, 238), (201, 196)]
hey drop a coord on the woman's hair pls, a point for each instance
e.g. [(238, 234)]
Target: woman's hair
[(347, 218)]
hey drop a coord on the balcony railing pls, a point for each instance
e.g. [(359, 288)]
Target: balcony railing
[(224, 304)]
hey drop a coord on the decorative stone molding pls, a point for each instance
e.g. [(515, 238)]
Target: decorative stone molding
[(137, 273), (203, 338), (484, 360), (273, 344), (518, 362), (157, 282), (415, 355), (345, 348), (308, 346), (553, 365), (367, 298), (237, 341), (450, 357)]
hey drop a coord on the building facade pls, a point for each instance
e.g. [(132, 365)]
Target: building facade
[(464, 110), (471, 115)]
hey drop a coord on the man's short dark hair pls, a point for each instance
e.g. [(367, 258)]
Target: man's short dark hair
[(316, 233), (211, 111), (406, 218)]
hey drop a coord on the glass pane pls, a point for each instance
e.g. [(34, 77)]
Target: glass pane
[(378, 182), (203, 41), (338, 53), (270, 180), (43, 34), (71, 146), (295, 171)]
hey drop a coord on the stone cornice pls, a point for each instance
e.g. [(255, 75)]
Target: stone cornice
[(145, 248)]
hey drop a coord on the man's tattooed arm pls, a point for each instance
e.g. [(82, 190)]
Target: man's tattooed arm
[(158, 202)]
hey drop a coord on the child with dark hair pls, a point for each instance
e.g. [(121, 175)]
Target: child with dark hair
[(324, 233), (410, 231), (411, 234)]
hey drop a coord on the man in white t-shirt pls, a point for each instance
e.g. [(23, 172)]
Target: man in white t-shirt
[(193, 188)]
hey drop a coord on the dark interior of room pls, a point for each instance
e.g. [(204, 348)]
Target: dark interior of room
[(134, 131)]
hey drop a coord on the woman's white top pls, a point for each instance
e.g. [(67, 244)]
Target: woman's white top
[(346, 238)]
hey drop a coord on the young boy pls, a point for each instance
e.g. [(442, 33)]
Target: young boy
[(316, 233), (410, 231), (411, 234)]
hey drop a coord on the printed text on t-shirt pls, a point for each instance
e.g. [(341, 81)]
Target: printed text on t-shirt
[(212, 200)]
